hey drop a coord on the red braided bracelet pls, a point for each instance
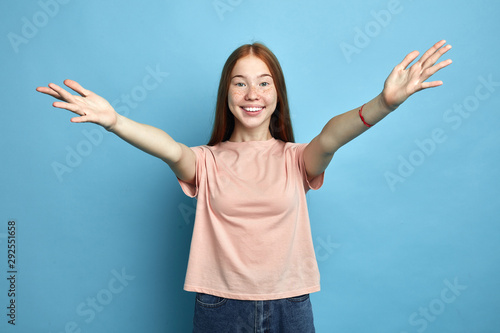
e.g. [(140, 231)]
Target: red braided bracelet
[(363, 119)]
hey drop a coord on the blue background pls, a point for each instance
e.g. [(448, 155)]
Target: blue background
[(406, 225)]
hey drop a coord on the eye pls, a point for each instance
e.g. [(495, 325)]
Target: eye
[(264, 84), (240, 84)]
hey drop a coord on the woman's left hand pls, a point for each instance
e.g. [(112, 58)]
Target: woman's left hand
[(404, 82)]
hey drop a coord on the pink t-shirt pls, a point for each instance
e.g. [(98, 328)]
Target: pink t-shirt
[(252, 237)]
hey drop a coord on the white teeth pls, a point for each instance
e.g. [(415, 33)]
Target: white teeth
[(253, 109)]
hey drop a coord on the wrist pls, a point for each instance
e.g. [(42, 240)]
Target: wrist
[(384, 105), (113, 127)]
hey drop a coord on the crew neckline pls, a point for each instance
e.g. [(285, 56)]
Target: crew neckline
[(257, 142)]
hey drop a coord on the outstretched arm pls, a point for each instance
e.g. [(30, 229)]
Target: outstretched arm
[(91, 107), (404, 81)]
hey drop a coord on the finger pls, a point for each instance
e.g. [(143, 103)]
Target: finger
[(85, 118), (81, 119), (432, 84), (65, 96), (427, 73), (435, 57), (48, 91), (409, 59), (431, 51), (77, 88), (432, 70), (70, 107)]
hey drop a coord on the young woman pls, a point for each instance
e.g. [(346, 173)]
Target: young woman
[(252, 261)]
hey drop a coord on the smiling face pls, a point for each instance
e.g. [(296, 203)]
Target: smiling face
[(252, 99)]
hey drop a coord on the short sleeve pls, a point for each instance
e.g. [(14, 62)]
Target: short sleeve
[(314, 183), (191, 190)]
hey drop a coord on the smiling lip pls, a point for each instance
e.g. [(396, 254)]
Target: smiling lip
[(252, 110)]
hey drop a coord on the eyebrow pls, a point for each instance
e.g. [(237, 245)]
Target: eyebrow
[(244, 77)]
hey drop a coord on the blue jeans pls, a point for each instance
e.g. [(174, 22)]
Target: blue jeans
[(214, 314)]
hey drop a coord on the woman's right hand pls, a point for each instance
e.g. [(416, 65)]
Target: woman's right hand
[(89, 106)]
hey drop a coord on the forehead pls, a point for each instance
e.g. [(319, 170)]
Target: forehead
[(250, 66)]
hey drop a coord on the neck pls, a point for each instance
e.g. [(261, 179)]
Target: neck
[(240, 135)]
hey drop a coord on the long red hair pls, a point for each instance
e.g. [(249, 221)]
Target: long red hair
[(280, 125)]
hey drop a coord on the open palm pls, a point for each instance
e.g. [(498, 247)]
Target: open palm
[(89, 106), (405, 81)]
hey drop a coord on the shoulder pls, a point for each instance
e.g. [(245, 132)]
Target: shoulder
[(203, 148), (294, 147), (203, 152)]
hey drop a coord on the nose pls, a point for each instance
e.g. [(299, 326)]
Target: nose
[(252, 93)]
